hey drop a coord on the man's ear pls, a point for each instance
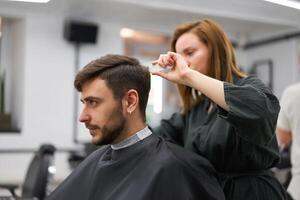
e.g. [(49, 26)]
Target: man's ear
[(131, 101)]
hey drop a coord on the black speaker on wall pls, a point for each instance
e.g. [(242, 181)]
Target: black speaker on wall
[(80, 32)]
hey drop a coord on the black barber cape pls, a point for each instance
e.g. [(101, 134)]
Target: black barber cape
[(151, 169)]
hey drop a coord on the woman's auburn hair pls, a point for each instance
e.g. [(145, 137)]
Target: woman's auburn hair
[(222, 60)]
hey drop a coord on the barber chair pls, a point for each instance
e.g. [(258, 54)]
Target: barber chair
[(282, 171), (37, 176)]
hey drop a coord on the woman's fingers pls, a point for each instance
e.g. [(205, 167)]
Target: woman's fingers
[(171, 62), (161, 74), (164, 60), (154, 62), (173, 56)]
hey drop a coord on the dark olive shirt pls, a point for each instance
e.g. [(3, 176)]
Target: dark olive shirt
[(241, 140)]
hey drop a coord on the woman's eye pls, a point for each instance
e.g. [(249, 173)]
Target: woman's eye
[(189, 53)]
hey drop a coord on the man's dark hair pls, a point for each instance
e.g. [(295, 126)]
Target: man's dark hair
[(121, 74)]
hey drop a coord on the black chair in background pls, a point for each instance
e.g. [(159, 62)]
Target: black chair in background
[(76, 157), (285, 164), (37, 175), (282, 171)]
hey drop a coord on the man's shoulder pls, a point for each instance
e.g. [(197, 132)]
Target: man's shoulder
[(291, 94), (96, 154), (295, 88), (99, 151)]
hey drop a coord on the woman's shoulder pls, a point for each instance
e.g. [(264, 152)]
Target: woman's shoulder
[(251, 79)]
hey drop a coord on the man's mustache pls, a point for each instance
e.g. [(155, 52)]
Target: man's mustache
[(91, 126)]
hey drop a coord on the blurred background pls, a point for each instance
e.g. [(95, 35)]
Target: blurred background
[(43, 45)]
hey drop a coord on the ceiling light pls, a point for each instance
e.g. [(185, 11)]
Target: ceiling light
[(33, 1), (288, 3), (127, 33)]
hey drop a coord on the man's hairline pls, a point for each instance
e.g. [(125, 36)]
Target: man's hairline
[(109, 87)]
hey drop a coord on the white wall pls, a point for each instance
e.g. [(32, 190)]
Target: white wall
[(284, 57), (46, 74)]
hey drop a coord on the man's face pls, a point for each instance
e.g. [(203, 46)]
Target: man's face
[(102, 114)]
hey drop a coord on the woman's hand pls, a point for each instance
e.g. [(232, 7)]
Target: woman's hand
[(178, 67), (181, 73)]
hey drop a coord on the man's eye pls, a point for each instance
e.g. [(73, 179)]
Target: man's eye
[(93, 103)]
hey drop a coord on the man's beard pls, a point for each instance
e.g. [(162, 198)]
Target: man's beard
[(110, 134), (113, 131)]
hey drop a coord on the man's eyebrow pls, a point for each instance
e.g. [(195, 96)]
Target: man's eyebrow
[(90, 98)]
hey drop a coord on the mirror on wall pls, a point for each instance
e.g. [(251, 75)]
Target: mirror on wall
[(11, 74), (147, 46), (5, 118)]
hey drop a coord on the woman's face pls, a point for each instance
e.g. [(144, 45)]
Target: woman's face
[(194, 52)]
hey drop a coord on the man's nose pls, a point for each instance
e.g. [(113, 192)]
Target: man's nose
[(84, 117)]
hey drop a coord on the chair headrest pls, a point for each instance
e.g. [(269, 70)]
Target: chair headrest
[(47, 149)]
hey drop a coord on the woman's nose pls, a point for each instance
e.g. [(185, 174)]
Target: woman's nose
[(188, 62)]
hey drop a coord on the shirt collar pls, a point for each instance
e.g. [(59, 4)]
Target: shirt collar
[(140, 135)]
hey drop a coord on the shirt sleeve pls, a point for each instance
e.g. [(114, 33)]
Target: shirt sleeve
[(253, 110), (172, 129)]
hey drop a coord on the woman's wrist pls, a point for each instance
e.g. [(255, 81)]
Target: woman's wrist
[(188, 76)]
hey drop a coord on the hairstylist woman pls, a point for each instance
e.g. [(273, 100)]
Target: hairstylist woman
[(227, 117)]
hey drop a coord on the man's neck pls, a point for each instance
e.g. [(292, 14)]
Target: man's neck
[(130, 129)]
